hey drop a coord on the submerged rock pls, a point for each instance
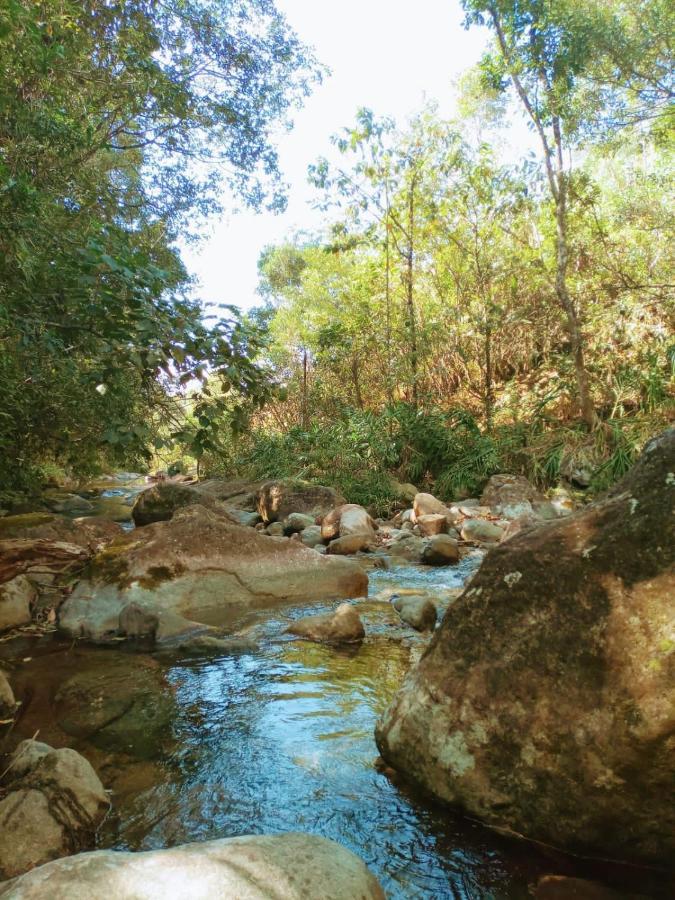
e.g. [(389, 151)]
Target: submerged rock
[(291, 866), (123, 705), (344, 626), (200, 564), (53, 807), (544, 703)]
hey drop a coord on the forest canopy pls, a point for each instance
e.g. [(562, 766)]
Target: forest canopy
[(460, 313)]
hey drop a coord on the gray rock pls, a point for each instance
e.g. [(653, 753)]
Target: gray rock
[(54, 806), (16, 597), (441, 550), (544, 704), (417, 611), (276, 500), (408, 547), (199, 566), (298, 522), (480, 531), (275, 529), (291, 866), (311, 537)]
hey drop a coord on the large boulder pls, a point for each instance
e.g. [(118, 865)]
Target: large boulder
[(276, 500), (510, 495), (291, 866), (159, 502), (199, 565), (54, 804), (545, 701)]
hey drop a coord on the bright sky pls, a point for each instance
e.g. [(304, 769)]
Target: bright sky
[(389, 55)]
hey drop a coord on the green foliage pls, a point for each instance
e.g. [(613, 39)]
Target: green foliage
[(115, 139)]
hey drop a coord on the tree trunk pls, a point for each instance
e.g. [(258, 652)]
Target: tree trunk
[(489, 393), (357, 384), (587, 408), (410, 299), (305, 410)]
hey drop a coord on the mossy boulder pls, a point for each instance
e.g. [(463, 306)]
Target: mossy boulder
[(545, 703), (159, 502), (276, 500), (201, 567)]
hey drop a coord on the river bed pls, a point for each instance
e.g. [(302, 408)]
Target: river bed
[(278, 736)]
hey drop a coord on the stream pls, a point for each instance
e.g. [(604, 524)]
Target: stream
[(278, 736)]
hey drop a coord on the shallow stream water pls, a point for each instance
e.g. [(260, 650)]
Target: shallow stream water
[(278, 736)]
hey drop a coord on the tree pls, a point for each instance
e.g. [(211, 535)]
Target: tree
[(120, 124)]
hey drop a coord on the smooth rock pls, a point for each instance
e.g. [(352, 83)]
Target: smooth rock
[(510, 491), (16, 597), (276, 500), (433, 523), (544, 703), (441, 550), (89, 532), (480, 531), (417, 611), (408, 546), (350, 543), (288, 866), (275, 529), (159, 503), (200, 564), (123, 705), (311, 537), (297, 522), (427, 505), (349, 518), (52, 809), (344, 626)]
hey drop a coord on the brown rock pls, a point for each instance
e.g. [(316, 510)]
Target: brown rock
[(442, 550), (16, 597), (276, 500), (344, 626), (200, 564), (350, 543), (89, 532), (428, 505), (545, 701), (433, 523), (159, 502), (349, 518)]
